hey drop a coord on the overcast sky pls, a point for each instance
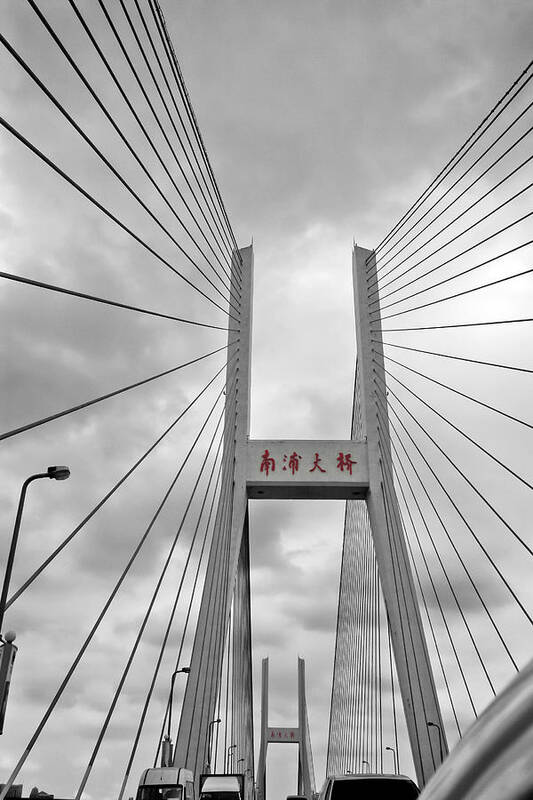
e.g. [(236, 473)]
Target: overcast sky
[(323, 122)]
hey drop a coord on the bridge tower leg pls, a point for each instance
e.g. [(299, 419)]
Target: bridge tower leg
[(306, 771), (261, 764), (415, 676), (228, 554)]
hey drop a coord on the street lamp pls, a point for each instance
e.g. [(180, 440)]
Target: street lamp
[(58, 474), (210, 742), (230, 751), (393, 751), (166, 748), (434, 725), (238, 762), (186, 671), (368, 765)]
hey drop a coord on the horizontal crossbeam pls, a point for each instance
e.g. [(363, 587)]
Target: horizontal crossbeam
[(297, 469)]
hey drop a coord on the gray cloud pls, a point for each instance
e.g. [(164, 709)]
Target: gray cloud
[(322, 122)]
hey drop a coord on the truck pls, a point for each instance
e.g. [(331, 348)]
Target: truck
[(222, 787), (166, 783)]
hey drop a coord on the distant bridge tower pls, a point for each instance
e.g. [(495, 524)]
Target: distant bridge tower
[(282, 735)]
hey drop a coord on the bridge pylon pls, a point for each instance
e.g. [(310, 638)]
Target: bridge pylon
[(227, 582), (284, 735), (415, 676), (356, 469)]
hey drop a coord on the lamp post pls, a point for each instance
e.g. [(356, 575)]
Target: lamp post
[(186, 671), (434, 725), (210, 742), (368, 765), (58, 474), (166, 749), (393, 751), (248, 777), (238, 762), (230, 752)]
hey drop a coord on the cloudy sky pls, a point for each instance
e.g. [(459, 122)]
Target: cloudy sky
[(323, 122)]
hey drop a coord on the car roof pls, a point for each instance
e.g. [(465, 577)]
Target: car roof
[(371, 775)]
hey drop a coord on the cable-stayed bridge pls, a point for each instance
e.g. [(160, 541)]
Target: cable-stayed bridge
[(434, 609)]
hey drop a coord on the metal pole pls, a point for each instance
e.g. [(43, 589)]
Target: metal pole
[(434, 725), (186, 671), (210, 742), (228, 755), (393, 751), (13, 546)]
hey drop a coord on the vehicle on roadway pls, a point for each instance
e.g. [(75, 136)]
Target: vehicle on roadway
[(166, 783), (222, 787), (368, 787)]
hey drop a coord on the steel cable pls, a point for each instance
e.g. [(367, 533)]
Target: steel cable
[(155, 673), (455, 358), (464, 191), (445, 529), (452, 590), (450, 277), (464, 149), (190, 113), (192, 598), (463, 253), (147, 615), (472, 441), (461, 394), (457, 236), (80, 406), (94, 298), (443, 616), (225, 245), (459, 294), (393, 696), (461, 515), (106, 497), (87, 139), (155, 117), (457, 325), (98, 621), (163, 74), (35, 150), (388, 522), (175, 69)]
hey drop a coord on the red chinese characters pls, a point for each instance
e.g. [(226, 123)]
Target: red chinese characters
[(267, 463), (294, 462), (344, 462), (316, 464)]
